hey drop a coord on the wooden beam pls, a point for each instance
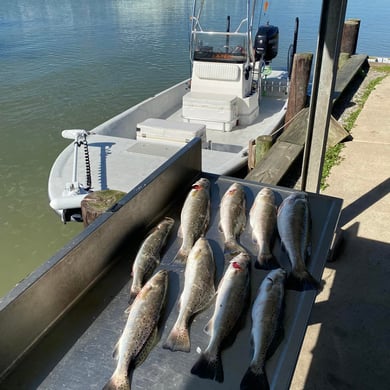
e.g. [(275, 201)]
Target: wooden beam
[(328, 48), (274, 165)]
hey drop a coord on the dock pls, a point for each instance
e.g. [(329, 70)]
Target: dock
[(290, 145)]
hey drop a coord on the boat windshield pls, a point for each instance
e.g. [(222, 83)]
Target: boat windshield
[(220, 47), (222, 38)]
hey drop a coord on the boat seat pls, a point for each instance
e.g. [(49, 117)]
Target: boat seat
[(216, 111), (156, 129)]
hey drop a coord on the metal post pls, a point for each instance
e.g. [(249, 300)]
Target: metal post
[(328, 48)]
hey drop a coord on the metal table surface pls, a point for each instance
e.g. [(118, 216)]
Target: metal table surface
[(77, 353)]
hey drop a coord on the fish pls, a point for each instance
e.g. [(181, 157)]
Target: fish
[(194, 217), (233, 291), (294, 227), (267, 312), (262, 217), (198, 292), (140, 328), (148, 256), (233, 218)]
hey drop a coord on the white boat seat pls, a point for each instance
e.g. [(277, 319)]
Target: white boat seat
[(156, 129), (213, 71), (216, 111)]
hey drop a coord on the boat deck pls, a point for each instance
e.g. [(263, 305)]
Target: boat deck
[(77, 353)]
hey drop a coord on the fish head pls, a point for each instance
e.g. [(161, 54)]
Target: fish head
[(201, 246), (277, 275), (166, 223), (234, 188), (158, 282), (201, 184), (240, 262), (266, 192), (160, 277)]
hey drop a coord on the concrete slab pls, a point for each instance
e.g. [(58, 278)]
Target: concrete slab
[(346, 343)]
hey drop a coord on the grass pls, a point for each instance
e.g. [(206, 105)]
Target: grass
[(332, 155)]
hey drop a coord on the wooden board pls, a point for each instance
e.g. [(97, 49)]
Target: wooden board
[(296, 132), (291, 142), (270, 172), (346, 73)]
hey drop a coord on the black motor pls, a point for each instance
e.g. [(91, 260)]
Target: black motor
[(266, 42)]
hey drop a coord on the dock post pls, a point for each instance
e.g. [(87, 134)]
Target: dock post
[(263, 145), (298, 86), (350, 35), (97, 202)]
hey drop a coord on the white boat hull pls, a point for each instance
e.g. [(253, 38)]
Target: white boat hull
[(119, 160)]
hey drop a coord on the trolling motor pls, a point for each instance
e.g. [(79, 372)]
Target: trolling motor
[(74, 191)]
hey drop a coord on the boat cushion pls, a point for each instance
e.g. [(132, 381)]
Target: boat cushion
[(213, 71), (167, 130)]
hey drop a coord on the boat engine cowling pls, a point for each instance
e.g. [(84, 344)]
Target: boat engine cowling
[(266, 42)]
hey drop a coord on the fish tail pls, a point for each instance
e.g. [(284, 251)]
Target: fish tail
[(232, 248), (302, 280), (209, 367), (118, 382), (181, 256), (266, 260), (133, 293), (254, 380), (178, 340)]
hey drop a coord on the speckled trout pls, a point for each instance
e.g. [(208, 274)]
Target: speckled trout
[(198, 291), (267, 310), (140, 327), (233, 292), (148, 256), (262, 217), (195, 217), (294, 226), (233, 218)]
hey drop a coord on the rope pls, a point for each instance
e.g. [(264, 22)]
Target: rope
[(285, 124)]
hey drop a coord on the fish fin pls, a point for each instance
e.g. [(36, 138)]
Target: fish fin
[(133, 293), (181, 256), (266, 261), (205, 367), (115, 352), (301, 281), (232, 248), (117, 382), (254, 239), (208, 326), (180, 232), (127, 311), (253, 380), (178, 340)]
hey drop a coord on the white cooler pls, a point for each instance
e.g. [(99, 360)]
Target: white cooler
[(155, 129), (218, 112)]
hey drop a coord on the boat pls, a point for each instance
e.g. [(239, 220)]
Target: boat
[(232, 97)]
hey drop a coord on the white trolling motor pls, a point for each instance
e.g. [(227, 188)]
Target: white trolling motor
[(74, 191)]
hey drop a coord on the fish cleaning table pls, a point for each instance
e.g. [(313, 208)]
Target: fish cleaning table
[(77, 352)]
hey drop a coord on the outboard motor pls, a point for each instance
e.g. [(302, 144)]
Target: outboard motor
[(266, 43)]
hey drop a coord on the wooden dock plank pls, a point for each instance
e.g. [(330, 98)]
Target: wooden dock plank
[(268, 171), (290, 144), (347, 72)]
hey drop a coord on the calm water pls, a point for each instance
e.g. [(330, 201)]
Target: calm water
[(73, 64)]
